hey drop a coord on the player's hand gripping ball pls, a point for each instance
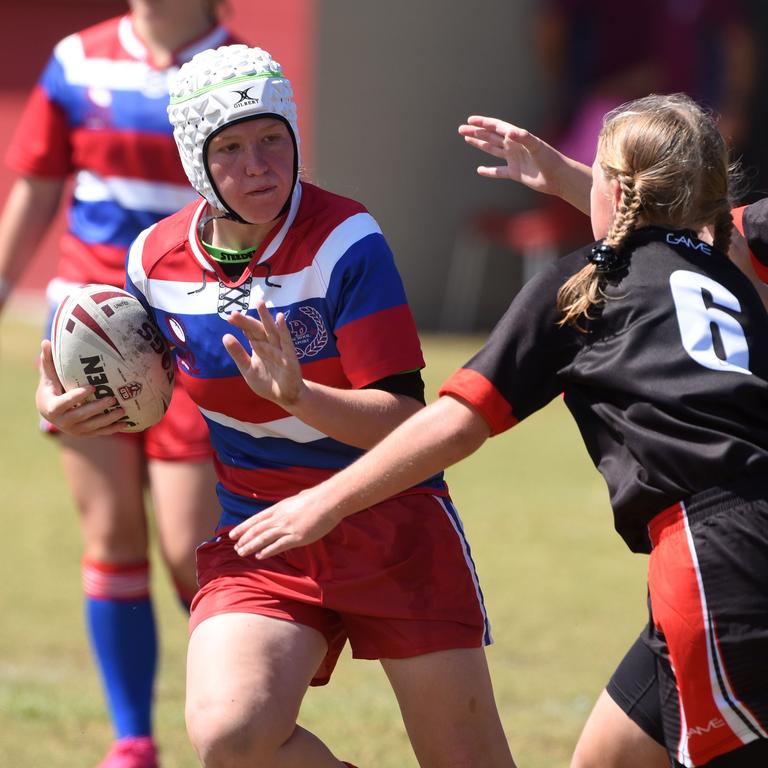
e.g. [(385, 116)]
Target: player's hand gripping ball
[(104, 337)]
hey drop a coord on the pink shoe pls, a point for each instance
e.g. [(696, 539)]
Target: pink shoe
[(131, 752)]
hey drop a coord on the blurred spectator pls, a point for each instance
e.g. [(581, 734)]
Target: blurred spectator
[(755, 145), (702, 47)]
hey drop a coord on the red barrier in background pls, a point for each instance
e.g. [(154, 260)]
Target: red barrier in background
[(286, 29)]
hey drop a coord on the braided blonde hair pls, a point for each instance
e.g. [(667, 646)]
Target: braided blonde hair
[(671, 165)]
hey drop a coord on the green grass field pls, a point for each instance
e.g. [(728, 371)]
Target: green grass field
[(564, 595)]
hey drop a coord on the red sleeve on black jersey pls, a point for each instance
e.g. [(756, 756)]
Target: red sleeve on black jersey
[(517, 371), (41, 144), (474, 388), (752, 222)]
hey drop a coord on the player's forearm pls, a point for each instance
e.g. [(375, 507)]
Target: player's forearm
[(28, 212), (436, 437), (359, 417), (575, 182)]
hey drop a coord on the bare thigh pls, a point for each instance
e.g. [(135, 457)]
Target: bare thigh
[(106, 478), (448, 707), (186, 512), (611, 739), (246, 678)]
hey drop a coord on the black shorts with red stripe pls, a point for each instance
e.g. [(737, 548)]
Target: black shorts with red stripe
[(634, 686), (708, 587)]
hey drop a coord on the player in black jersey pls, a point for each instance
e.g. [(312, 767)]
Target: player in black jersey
[(625, 728), (659, 344)]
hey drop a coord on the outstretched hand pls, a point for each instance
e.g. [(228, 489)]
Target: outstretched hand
[(72, 412), (271, 368), (293, 522), (528, 160)]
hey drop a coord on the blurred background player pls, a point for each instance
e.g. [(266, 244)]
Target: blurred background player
[(98, 115), (704, 48)]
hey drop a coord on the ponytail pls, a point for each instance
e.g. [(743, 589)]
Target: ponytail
[(584, 290)]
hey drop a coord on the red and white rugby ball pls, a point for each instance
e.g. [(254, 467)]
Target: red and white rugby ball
[(103, 336)]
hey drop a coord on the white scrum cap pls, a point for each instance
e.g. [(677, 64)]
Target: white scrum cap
[(217, 88)]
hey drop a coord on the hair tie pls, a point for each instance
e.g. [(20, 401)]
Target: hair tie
[(605, 258)]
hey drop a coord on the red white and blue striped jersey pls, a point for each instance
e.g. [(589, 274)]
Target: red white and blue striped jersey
[(328, 268), (99, 112)]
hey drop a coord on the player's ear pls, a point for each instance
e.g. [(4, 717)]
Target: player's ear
[(615, 195)]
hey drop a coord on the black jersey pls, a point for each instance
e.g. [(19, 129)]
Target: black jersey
[(669, 386)]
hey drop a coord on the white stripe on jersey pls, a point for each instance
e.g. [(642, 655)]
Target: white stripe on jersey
[(289, 428), (134, 266), (129, 40), (115, 75), (123, 75), (58, 290), (126, 75), (308, 283), (341, 239), (133, 194)]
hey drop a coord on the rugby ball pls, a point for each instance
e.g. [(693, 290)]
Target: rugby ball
[(103, 336)]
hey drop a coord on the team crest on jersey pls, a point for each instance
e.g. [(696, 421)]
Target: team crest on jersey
[(308, 331)]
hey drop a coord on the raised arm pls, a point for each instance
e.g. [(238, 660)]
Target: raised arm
[(528, 160)]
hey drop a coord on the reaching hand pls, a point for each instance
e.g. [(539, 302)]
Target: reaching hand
[(518, 148), (528, 160), (293, 522), (72, 412), (272, 368)]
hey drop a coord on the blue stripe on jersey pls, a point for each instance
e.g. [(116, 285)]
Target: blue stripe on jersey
[(55, 85), (237, 449), (363, 281), (108, 223), (126, 111), (134, 111), (236, 508), (307, 320)]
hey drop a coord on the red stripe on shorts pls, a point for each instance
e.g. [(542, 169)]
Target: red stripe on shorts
[(679, 608)]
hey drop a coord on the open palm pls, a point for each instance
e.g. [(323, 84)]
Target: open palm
[(528, 159), (271, 367)]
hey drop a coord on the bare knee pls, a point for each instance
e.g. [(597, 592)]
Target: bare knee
[(223, 738)]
